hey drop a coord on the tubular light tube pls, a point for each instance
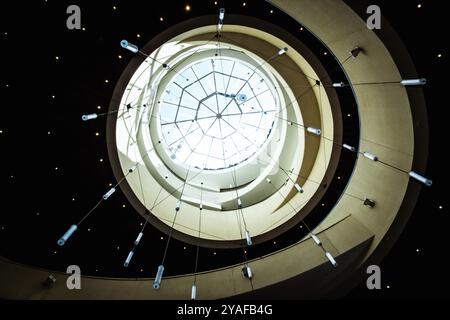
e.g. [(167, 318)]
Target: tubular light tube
[(315, 131), (346, 146), (282, 51), (370, 156), (109, 194), (414, 82), (221, 14), (420, 178), (178, 206), (67, 235), (299, 189), (316, 239), (239, 202), (127, 262), (331, 259), (249, 273), (249, 238), (339, 85), (126, 45), (138, 239), (88, 117), (159, 274), (194, 292)]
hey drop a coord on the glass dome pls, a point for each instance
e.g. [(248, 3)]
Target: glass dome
[(217, 113)]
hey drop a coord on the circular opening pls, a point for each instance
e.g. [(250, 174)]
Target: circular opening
[(217, 113)]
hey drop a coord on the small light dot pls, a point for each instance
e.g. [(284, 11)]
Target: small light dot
[(388, 287), (119, 56), (97, 134), (99, 107), (215, 3), (187, 8), (1, 131), (73, 199), (339, 178), (57, 58), (274, 242), (55, 252), (84, 29), (118, 248), (49, 133), (101, 160), (349, 115), (7, 85), (441, 207), (110, 184), (161, 19), (106, 81), (439, 55), (214, 253), (271, 11), (124, 206), (138, 35), (114, 7), (56, 168), (244, 4), (142, 270), (184, 248), (89, 229), (325, 53), (162, 238), (419, 6), (301, 227), (12, 177), (323, 204), (37, 213), (53, 97), (6, 33), (301, 28), (96, 270), (141, 224)]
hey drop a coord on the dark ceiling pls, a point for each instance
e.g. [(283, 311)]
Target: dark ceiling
[(55, 167)]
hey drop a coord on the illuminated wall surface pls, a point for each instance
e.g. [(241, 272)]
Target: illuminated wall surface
[(207, 150)]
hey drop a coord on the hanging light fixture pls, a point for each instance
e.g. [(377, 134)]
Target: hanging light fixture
[(370, 156), (420, 178), (346, 146), (194, 292), (248, 238), (126, 45), (414, 82), (109, 193), (88, 117), (331, 259), (159, 274), (282, 51), (67, 235), (315, 131), (127, 261)]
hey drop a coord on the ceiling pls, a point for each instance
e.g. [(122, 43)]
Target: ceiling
[(55, 166)]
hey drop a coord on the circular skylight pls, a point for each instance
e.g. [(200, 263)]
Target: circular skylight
[(217, 113)]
